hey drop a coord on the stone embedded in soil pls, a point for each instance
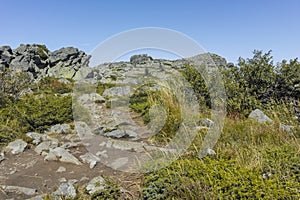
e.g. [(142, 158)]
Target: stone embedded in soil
[(61, 129), (66, 190), (61, 169), (96, 184), (17, 146), (121, 134), (260, 117), (116, 134), (285, 128), (45, 146), (62, 155), (19, 190), (2, 156), (91, 159), (36, 137)]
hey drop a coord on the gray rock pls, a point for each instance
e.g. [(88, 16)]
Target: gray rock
[(285, 128), (207, 122), (62, 155), (117, 91), (66, 190), (45, 146), (2, 156), (91, 159), (61, 169), (130, 133), (211, 152), (63, 54), (121, 134), (37, 137), (19, 190), (39, 197), (69, 145), (115, 134), (64, 80), (96, 184), (61, 129), (40, 62), (259, 116), (17, 146), (6, 55), (91, 97), (140, 59)]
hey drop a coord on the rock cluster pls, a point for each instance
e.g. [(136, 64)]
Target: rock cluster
[(39, 62)]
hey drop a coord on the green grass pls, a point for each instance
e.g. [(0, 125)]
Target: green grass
[(246, 152)]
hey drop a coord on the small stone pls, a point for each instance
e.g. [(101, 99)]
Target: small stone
[(17, 189), (207, 122), (45, 146), (73, 181), (62, 155), (90, 159), (83, 179), (17, 146), (259, 116), (61, 129), (61, 169), (97, 183), (211, 152), (115, 134), (66, 190), (285, 128), (1, 156), (62, 180)]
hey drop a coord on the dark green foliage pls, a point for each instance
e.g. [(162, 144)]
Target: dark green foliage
[(252, 84), (288, 79), (42, 112), (139, 103), (224, 179), (198, 84), (101, 87), (12, 84), (111, 191), (52, 85), (34, 113)]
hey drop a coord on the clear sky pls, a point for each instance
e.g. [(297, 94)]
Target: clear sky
[(230, 28)]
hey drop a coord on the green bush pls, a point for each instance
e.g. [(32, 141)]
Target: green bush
[(52, 85), (12, 84), (34, 113), (211, 178), (42, 112)]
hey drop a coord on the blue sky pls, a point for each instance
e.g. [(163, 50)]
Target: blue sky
[(230, 28)]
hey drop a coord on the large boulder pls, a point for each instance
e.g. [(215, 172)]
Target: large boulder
[(39, 62), (6, 55), (140, 59)]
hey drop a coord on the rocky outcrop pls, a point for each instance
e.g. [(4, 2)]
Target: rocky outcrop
[(39, 62)]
